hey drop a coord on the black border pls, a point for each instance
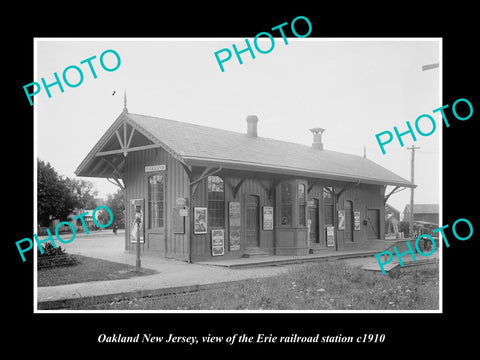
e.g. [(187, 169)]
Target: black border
[(425, 333)]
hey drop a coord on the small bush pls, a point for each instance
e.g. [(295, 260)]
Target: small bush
[(50, 250), (54, 256)]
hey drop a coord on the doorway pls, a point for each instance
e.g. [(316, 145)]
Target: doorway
[(373, 228), (252, 221)]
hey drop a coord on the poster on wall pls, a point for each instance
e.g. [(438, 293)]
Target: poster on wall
[(133, 224), (200, 220), (356, 220), (268, 218), (218, 242), (234, 240), (330, 236), (234, 225), (341, 220)]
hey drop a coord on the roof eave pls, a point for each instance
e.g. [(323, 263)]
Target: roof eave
[(247, 166), (79, 171)]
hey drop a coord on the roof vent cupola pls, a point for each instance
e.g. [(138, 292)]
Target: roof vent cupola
[(317, 138)]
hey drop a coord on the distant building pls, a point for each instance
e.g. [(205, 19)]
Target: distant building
[(422, 212), (392, 219), (88, 218), (425, 217), (77, 223)]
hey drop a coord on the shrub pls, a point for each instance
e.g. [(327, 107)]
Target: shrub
[(54, 256), (49, 250)]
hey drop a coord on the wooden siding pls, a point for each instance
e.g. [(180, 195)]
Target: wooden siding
[(363, 197), (176, 185), (202, 242)]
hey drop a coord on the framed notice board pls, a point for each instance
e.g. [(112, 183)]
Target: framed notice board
[(356, 220), (218, 242), (341, 220), (330, 236), (200, 220), (268, 218), (234, 225), (133, 223)]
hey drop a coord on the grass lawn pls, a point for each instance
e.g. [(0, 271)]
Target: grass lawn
[(318, 286), (88, 269)]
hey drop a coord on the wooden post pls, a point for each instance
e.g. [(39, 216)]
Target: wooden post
[(138, 262)]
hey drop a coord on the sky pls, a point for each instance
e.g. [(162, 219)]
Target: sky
[(353, 88)]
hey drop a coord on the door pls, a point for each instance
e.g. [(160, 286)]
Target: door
[(156, 213), (373, 227), (313, 217), (252, 221), (348, 233)]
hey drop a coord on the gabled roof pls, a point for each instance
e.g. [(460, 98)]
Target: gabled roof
[(423, 208), (201, 145)]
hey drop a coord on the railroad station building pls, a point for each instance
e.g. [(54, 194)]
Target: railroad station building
[(207, 193)]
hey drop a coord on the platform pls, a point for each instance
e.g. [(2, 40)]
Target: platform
[(279, 260)]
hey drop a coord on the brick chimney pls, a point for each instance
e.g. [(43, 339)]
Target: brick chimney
[(317, 138), (252, 121)]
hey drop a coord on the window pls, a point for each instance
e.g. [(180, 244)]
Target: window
[(155, 201), (327, 192), (327, 206), (286, 204), (302, 204), (216, 202)]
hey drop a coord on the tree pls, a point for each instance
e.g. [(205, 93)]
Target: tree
[(92, 203), (54, 200), (116, 203), (57, 197), (82, 192)]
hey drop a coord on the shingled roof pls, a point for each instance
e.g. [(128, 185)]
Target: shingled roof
[(201, 145)]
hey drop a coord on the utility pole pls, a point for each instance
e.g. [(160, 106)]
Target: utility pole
[(412, 164), (412, 190)]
